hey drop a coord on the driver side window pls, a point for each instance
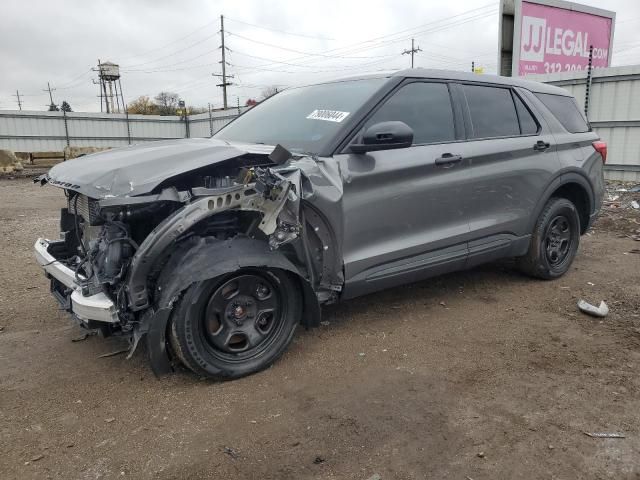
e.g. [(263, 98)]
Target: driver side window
[(425, 107)]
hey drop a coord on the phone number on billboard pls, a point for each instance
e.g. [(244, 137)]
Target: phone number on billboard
[(558, 67)]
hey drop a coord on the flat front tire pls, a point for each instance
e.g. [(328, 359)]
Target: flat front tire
[(236, 324), (554, 242)]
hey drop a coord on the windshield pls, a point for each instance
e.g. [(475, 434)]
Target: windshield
[(302, 119)]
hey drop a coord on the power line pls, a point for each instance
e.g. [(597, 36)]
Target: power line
[(360, 45), (82, 75), (381, 40), (334, 70), (384, 40), (172, 42), (279, 31), (173, 53), (296, 64), (291, 49)]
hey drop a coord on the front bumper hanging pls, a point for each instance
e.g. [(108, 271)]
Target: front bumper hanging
[(96, 307)]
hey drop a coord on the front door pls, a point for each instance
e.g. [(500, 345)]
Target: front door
[(404, 209)]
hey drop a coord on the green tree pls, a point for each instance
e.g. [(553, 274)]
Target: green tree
[(65, 107)]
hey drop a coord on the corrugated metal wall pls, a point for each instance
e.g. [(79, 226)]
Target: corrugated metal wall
[(23, 131), (614, 113)]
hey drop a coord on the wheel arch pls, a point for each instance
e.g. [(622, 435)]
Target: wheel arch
[(575, 188), (202, 258)]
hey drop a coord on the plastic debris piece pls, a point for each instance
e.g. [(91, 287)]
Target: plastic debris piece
[(635, 204), (600, 311), (604, 435), (113, 354)]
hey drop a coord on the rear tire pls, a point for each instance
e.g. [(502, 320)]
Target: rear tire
[(236, 324), (554, 242)]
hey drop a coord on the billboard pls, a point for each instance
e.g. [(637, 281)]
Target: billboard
[(548, 36)]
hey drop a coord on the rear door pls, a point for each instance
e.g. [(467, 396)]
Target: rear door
[(512, 157), (404, 209)]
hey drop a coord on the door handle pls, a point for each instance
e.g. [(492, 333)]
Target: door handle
[(448, 160), (541, 146)]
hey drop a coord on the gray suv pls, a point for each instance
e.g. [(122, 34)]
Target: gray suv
[(214, 250)]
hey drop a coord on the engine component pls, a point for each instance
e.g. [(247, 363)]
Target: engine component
[(111, 252)]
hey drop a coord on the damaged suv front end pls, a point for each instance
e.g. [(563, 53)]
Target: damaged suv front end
[(114, 268), (212, 250)]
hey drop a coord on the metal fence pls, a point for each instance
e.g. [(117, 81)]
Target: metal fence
[(23, 131), (614, 113)]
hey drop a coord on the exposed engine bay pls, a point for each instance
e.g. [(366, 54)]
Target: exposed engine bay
[(120, 246)]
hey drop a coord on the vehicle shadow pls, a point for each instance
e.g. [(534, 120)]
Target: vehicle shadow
[(441, 290)]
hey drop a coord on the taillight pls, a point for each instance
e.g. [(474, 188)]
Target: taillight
[(601, 148)]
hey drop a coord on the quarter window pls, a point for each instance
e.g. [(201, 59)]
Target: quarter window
[(566, 110), (528, 124), (425, 107), (493, 113)]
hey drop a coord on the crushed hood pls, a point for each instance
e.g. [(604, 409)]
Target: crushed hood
[(138, 169)]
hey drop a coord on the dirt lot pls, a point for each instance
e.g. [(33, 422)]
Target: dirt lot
[(477, 375)]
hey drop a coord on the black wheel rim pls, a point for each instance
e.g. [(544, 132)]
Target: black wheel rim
[(243, 316), (558, 241)]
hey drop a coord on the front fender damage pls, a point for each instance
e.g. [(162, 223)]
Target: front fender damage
[(275, 193), (203, 258), (266, 191)]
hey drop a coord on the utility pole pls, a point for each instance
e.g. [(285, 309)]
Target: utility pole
[(587, 92), (17, 95), (473, 67), (49, 89), (224, 75), (413, 51)]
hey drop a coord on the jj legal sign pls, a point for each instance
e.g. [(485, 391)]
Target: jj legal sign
[(553, 36)]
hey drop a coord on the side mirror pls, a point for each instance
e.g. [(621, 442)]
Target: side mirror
[(384, 136)]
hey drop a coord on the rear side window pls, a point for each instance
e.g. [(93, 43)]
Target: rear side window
[(493, 113), (566, 110), (425, 107), (528, 124)]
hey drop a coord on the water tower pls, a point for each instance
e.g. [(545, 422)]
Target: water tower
[(111, 99)]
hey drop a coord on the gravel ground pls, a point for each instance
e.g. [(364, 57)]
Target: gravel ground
[(484, 374)]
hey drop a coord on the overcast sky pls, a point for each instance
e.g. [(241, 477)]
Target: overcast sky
[(173, 45)]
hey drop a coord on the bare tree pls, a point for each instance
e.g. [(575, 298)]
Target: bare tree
[(268, 92), (167, 103)]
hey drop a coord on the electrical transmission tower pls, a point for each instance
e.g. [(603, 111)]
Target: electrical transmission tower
[(224, 64), (413, 51)]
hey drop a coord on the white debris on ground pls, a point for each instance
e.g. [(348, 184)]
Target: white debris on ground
[(621, 209)]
